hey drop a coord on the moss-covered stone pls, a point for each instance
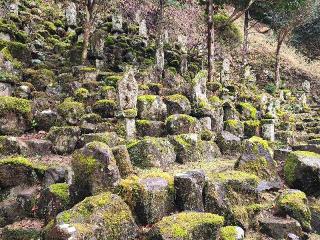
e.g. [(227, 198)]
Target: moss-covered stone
[(16, 105), (61, 191), (81, 94), (187, 226), (257, 158), (152, 152), (105, 108), (39, 78), (95, 170), (181, 124), (71, 111), (17, 170), (301, 170), (64, 139), (102, 216), (247, 110), (295, 204), (150, 195)]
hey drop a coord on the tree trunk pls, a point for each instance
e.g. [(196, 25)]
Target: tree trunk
[(210, 40), (278, 60), (245, 39), (86, 36), (160, 40)]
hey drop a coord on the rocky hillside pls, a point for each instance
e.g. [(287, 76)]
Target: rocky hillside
[(116, 149)]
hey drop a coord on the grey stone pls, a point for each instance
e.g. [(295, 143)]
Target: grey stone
[(190, 148), (279, 228), (228, 143), (64, 139), (5, 89), (152, 152), (189, 190), (71, 14), (151, 108)]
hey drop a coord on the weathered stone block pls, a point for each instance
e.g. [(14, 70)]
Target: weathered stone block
[(152, 152), (189, 188)]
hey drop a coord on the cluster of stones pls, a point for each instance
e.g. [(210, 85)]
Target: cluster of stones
[(147, 149)]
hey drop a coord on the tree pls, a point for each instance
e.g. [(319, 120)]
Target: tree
[(160, 33), (91, 8), (287, 15)]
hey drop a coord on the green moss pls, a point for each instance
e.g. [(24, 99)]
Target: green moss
[(230, 34), (252, 123), (70, 106), (104, 103), (81, 94), (215, 100), (228, 233), (200, 75), (23, 161), (50, 26), (17, 49), (185, 117), (16, 105), (143, 87), (147, 98), (233, 123), (182, 224), (248, 106), (235, 176), (142, 123), (61, 190), (110, 40), (112, 80), (88, 69), (83, 167), (177, 98), (261, 141), (85, 208)]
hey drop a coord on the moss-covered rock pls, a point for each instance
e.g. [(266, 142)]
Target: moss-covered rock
[(95, 170), (105, 108), (109, 138), (252, 128), (181, 124), (122, 157), (151, 107), (18, 170), (302, 171), (64, 139), (53, 200), (71, 111), (177, 104), (190, 148), (104, 216), (15, 115), (228, 143), (150, 195), (40, 79), (295, 204), (187, 226), (232, 193), (81, 94), (257, 158), (150, 128), (247, 111), (234, 126), (25, 229), (152, 152)]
